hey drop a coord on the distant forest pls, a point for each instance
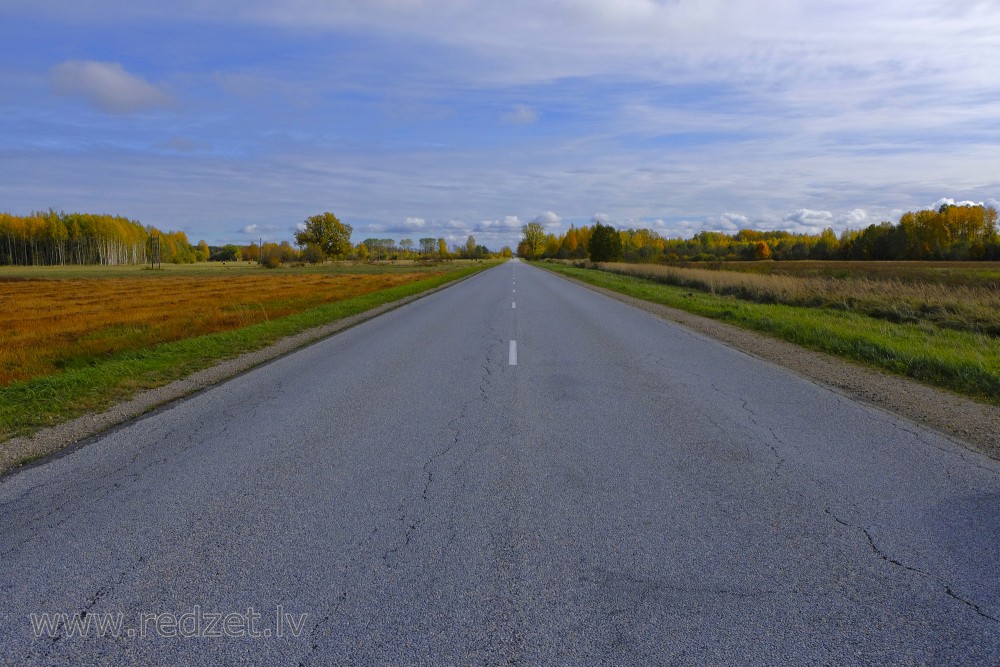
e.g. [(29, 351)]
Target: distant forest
[(85, 238), (950, 233)]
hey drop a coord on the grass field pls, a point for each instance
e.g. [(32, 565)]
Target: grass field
[(51, 325), (942, 334), (960, 298), (82, 338), (9, 273), (969, 274)]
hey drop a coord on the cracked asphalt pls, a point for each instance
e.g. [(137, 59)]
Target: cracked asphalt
[(630, 493)]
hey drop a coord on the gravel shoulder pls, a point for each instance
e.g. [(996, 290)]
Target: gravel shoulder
[(973, 424)]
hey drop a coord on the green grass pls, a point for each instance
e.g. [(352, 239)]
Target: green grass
[(27, 406), (965, 362)]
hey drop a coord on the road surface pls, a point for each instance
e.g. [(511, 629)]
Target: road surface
[(514, 470)]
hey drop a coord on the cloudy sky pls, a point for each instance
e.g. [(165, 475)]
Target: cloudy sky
[(235, 119)]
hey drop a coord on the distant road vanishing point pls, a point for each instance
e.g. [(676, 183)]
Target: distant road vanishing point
[(515, 470)]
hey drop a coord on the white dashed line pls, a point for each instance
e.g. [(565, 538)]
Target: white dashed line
[(513, 304), (512, 357)]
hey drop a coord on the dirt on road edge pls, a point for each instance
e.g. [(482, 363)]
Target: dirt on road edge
[(973, 424)]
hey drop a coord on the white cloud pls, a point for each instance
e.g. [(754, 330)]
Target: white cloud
[(801, 221), (410, 226), (854, 219), (508, 224), (742, 42), (548, 218), (727, 222), (267, 231), (805, 216), (107, 86), (684, 229), (602, 218), (520, 114), (951, 202), (807, 221), (802, 110), (417, 227)]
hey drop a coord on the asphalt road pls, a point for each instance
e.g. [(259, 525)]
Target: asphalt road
[(628, 493)]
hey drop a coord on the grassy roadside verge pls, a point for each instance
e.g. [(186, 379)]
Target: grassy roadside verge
[(964, 362), (27, 406)]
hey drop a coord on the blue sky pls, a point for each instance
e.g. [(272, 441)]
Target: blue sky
[(233, 120)]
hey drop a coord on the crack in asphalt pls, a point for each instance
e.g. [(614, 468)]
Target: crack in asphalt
[(883, 555), (751, 417), (111, 481), (886, 557), (412, 523), (960, 450), (969, 603), (62, 631), (774, 450), (333, 609)]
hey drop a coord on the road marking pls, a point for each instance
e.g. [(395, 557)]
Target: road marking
[(515, 291), (513, 304), (512, 357)]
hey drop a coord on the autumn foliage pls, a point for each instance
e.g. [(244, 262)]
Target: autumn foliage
[(50, 238), (949, 233)]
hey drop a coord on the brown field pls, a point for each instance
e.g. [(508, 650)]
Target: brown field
[(49, 325), (971, 274), (959, 296)]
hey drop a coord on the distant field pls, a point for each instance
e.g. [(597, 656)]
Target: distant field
[(965, 297), (938, 322), (77, 339), (221, 269), (974, 274), (49, 325)]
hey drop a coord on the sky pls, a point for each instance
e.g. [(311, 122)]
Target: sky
[(236, 120)]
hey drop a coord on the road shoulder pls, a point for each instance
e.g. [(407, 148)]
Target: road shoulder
[(973, 424)]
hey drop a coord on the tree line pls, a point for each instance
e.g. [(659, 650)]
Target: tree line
[(52, 238), (949, 233)]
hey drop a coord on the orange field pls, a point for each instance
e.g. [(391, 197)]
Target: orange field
[(49, 325)]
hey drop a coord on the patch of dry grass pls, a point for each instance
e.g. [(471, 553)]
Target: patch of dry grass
[(50, 325), (972, 274), (968, 307)]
